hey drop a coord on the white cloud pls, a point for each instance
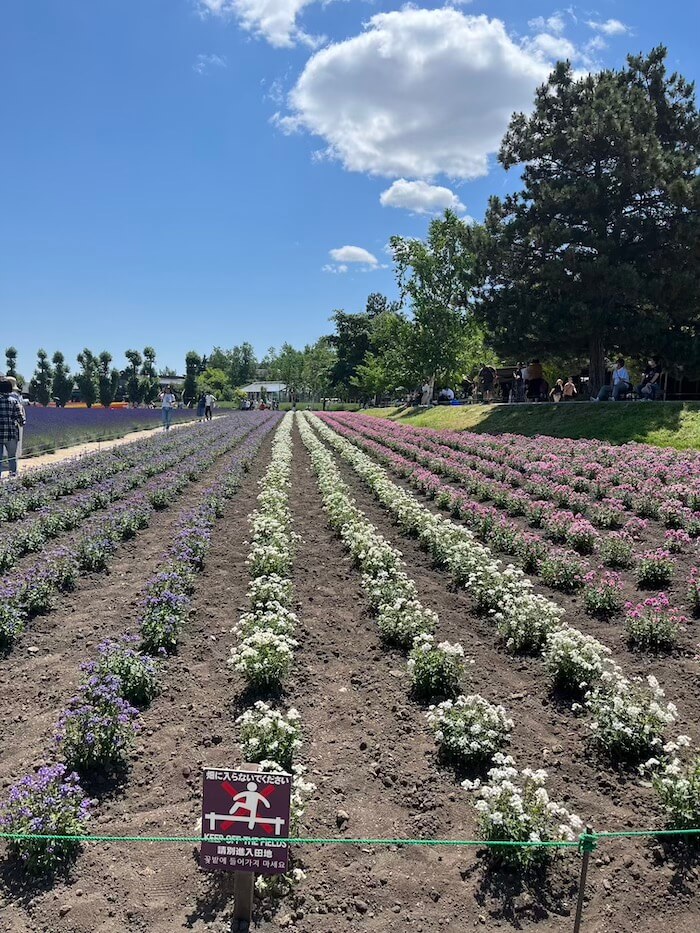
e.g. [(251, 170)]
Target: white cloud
[(205, 63), (354, 254), (611, 27), (418, 93), (420, 197), (554, 23), (273, 20), (345, 256), (552, 46)]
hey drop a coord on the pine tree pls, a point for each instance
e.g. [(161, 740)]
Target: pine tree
[(42, 379), (62, 387)]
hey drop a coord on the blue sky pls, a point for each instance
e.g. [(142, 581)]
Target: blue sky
[(185, 173)]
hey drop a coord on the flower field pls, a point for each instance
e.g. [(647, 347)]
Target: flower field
[(441, 635), (49, 429)]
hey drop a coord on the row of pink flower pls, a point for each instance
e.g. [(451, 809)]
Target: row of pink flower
[(558, 568), (650, 491), (561, 526)]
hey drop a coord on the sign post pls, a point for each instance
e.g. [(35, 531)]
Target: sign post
[(245, 822)]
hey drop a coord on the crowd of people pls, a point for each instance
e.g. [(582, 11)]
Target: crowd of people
[(526, 382)]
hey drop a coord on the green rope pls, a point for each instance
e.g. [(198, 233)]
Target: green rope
[(297, 840), (303, 840)]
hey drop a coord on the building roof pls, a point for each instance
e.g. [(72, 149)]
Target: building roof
[(268, 386)]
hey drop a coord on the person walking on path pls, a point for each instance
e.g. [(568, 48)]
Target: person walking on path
[(168, 402), (11, 420), (209, 402), (16, 394)]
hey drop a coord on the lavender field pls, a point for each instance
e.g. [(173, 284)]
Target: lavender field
[(48, 429)]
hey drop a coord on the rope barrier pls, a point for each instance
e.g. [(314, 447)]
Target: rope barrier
[(585, 839)]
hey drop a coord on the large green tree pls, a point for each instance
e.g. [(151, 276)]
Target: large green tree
[(107, 378), (352, 340), (62, 387), (193, 367), (438, 277), (86, 379), (598, 251), (149, 385), (43, 376), (133, 383)]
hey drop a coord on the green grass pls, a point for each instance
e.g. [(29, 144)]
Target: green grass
[(664, 424)]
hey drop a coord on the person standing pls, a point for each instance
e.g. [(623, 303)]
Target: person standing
[(16, 394), (209, 402), (168, 402), (11, 420), (425, 393), (570, 390), (200, 407)]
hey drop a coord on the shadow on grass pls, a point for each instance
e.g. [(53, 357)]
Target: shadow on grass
[(674, 424)]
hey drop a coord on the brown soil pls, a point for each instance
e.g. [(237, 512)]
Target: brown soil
[(367, 749)]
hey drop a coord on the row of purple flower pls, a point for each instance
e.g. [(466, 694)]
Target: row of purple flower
[(95, 731)]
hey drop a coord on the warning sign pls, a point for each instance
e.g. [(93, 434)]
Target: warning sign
[(245, 804)]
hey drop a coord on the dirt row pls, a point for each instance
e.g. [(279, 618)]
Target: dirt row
[(367, 749)]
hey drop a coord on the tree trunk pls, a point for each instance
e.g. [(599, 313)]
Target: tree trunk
[(596, 369)]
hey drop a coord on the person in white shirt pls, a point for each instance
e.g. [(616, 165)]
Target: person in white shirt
[(168, 402), (209, 402), (621, 384)]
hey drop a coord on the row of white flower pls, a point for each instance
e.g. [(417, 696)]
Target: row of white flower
[(265, 633), (469, 729), (629, 717)]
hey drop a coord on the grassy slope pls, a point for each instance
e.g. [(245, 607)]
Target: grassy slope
[(665, 424)]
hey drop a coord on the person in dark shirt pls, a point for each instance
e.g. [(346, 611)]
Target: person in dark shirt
[(11, 420), (650, 389)]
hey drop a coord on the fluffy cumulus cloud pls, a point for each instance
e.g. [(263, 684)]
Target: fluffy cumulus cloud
[(420, 197), (418, 93), (273, 20), (610, 27), (552, 47), (345, 256)]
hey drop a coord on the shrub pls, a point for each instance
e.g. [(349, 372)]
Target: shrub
[(677, 786), (581, 536), (515, 806), (163, 616), (97, 729), (676, 541), (49, 802), (531, 551), (653, 625), (270, 588), (137, 672), (264, 659), (470, 730), (617, 549), (694, 590), (436, 670), (93, 551), (401, 621), (12, 617), (273, 617), (655, 568), (524, 620), (629, 718), (268, 734), (575, 661), (602, 593), (563, 570)]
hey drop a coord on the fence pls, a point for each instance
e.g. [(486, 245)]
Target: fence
[(586, 844)]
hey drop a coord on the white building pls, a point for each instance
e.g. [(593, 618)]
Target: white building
[(273, 390)]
